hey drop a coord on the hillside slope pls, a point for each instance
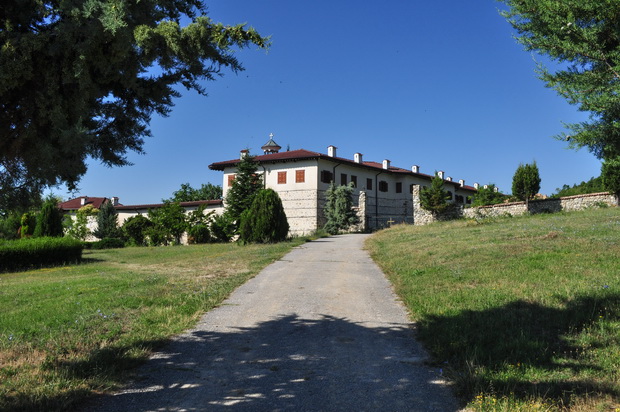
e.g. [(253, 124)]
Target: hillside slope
[(523, 312)]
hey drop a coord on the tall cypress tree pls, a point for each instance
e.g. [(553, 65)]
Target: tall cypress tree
[(243, 190), (49, 220), (107, 222)]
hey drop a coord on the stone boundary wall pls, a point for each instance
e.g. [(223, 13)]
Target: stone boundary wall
[(568, 203)]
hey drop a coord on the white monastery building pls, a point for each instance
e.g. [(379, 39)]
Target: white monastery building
[(383, 194)]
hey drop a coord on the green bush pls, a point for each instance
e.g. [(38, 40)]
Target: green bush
[(488, 196), (28, 223), (265, 220), (36, 252), (199, 233), (9, 226), (169, 224), (135, 228), (222, 228), (108, 243)]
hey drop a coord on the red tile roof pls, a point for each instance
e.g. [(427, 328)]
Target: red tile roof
[(302, 154), (75, 204)]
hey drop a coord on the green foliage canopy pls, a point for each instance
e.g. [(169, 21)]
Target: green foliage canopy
[(526, 182), (81, 79), (205, 192), (610, 174), (135, 229), (488, 196), (78, 227), (583, 36), (169, 224), (265, 220), (594, 185), (339, 209)]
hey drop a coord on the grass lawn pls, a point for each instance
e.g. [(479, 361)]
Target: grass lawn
[(68, 332), (521, 313)]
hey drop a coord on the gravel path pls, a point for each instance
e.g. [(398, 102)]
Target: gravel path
[(319, 330)]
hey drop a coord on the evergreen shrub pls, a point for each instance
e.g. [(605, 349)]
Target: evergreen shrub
[(49, 220), (36, 252), (108, 243), (265, 220), (107, 222), (338, 209)]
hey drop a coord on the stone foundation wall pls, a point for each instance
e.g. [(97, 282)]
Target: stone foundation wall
[(300, 207)]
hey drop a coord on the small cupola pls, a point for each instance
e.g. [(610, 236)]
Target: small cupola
[(271, 146)]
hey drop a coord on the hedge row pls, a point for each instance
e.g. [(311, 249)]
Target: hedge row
[(36, 252)]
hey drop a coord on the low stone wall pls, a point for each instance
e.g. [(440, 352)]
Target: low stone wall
[(568, 203)]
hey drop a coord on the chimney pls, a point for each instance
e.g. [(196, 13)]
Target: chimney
[(243, 153), (476, 186), (386, 164), (358, 158), (83, 200), (331, 151), (449, 178), (114, 200), (461, 182), (415, 169), (440, 174)]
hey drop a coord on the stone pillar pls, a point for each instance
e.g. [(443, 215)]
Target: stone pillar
[(361, 212), (420, 216)]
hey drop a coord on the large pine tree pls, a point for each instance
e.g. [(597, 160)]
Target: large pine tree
[(583, 36), (81, 79)]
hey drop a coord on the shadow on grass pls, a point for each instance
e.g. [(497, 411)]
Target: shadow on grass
[(286, 363), (89, 260), (490, 351)]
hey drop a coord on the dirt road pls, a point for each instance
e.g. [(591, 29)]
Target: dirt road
[(319, 330)]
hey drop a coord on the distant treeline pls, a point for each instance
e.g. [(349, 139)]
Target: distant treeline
[(593, 185)]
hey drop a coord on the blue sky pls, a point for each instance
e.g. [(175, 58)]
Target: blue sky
[(440, 84)]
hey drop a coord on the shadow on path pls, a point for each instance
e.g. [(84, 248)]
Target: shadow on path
[(287, 363)]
